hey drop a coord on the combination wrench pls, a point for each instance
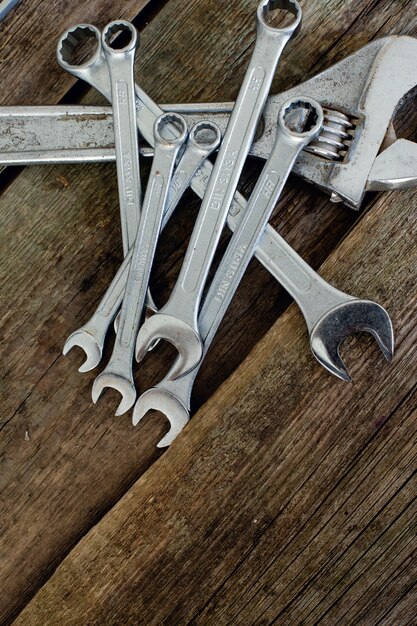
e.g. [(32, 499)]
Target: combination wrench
[(120, 63), (330, 314), (119, 373), (273, 252), (177, 320), (203, 139)]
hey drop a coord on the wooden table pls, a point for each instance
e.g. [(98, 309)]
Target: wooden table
[(290, 498)]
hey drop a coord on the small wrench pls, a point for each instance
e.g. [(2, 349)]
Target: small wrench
[(204, 138), (177, 320), (120, 62), (118, 372)]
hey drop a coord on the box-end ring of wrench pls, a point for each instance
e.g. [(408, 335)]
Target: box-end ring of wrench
[(203, 140)]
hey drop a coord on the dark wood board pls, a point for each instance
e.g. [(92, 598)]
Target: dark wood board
[(64, 461), (291, 496)]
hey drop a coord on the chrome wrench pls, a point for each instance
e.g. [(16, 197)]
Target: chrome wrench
[(45, 135), (73, 133), (203, 139), (120, 63), (177, 320), (118, 372)]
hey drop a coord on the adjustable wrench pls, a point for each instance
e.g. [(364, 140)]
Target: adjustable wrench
[(72, 134), (203, 139), (177, 321), (118, 372)]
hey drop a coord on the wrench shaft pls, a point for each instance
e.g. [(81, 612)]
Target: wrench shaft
[(121, 70)]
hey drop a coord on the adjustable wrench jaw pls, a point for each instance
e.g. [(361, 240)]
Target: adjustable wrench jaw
[(355, 89), (395, 167)]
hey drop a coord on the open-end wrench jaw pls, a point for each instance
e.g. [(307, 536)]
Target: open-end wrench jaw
[(82, 338), (345, 319), (180, 334), (160, 400), (117, 381)]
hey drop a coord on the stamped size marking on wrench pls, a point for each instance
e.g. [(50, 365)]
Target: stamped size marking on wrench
[(118, 373), (177, 320), (203, 139)]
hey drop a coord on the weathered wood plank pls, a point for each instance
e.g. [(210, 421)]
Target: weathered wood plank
[(291, 497), (54, 269)]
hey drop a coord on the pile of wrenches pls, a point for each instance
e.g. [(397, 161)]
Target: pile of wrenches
[(329, 132)]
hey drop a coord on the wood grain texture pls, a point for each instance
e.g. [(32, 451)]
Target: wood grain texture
[(291, 497), (64, 461)]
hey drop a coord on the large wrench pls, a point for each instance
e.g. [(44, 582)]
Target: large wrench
[(120, 62), (177, 320), (118, 372), (203, 139), (36, 135), (330, 314), (70, 134)]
